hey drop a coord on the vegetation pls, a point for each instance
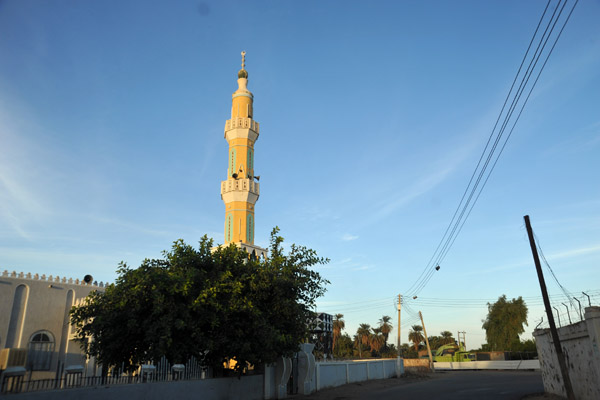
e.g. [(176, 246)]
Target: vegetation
[(372, 342), (367, 342), (445, 337), (338, 327), (504, 323), (215, 306), (415, 335)]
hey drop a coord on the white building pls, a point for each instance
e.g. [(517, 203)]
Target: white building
[(34, 316)]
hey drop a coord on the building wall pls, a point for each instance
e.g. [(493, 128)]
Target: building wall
[(580, 344), (31, 304)]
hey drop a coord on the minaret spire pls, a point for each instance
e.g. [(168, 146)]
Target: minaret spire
[(240, 191)]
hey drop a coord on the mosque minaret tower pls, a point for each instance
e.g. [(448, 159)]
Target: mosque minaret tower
[(241, 189)]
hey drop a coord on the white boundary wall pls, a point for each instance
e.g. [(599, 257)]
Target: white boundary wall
[(333, 374), (580, 343), (515, 364)]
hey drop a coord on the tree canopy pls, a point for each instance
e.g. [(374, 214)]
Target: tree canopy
[(214, 305), (504, 323), (415, 335)]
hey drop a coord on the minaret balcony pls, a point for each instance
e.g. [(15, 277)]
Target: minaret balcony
[(241, 128), (240, 190)]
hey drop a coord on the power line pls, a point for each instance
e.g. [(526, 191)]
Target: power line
[(466, 206)]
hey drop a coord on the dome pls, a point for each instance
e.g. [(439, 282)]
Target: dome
[(243, 74)]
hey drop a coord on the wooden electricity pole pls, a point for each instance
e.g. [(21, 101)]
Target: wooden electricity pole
[(427, 342), (559, 353)]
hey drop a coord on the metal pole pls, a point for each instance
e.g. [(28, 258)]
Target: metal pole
[(559, 353), (558, 315), (538, 325), (427, 342), (568, 315), (580, 314), (589, 301)]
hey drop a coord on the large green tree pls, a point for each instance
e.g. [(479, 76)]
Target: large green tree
[(214, 305), (504, 322)]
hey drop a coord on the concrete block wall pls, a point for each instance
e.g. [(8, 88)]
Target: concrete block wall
[(580, 344), (333, 374)]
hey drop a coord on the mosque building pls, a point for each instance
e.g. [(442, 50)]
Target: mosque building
[(35, 333)]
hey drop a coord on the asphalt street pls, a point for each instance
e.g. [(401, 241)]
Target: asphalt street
[(459, 385)]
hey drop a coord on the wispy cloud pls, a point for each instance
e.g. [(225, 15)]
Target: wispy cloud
[(363, 268), (397, 199), (517, 264), (574, 252), (20, 203), (347, 237)]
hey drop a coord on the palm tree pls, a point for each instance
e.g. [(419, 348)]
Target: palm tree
[(446, 337), (415, 336), (362, 337), (376, 340), (338, 326), (386, 327)]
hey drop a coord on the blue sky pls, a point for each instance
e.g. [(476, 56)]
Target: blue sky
[(372, 120)]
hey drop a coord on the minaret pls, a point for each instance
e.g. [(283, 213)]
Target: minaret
[(241, 189)]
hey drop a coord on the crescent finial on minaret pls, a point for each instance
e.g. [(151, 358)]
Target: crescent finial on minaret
[(242, 72)]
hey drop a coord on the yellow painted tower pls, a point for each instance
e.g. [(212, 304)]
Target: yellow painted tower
[(241, 189)]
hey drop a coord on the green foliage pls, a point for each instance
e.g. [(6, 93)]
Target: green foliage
[(504, 323), (212, 305), (338, 327), (344, 347), (408, 351), (436, 342), (361, 339), (385, 327), (415, 335), (389, 351)]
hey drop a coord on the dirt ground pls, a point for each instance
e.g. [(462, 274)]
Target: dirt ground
[(357, 390)]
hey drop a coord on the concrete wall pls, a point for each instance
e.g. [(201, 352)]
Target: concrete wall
[(416, 364), (516, 364), (33, 303), (333, 374), (580, 343), (248, 387)]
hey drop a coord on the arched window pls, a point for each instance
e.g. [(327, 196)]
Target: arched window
[(41, 347)]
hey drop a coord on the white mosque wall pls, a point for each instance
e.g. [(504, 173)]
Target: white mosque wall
[(34, 315)]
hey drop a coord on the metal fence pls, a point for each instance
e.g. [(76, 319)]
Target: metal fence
[(162, 371)]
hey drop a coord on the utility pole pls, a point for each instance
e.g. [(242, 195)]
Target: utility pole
[(427, 342), (464, 337), (399, 320), (559, 353)]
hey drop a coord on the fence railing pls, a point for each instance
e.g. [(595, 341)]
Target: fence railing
[(162, 371)]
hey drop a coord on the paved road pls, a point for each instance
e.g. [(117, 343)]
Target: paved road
[(464, 385), (452, 385)]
